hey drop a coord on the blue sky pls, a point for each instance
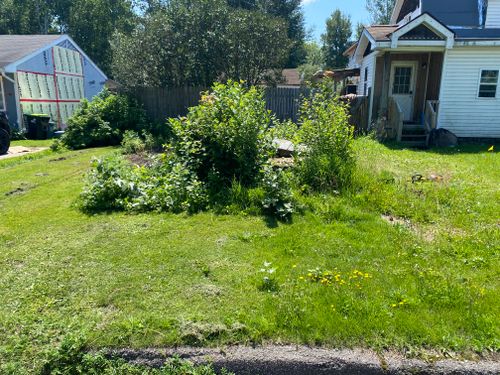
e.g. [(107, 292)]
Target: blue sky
[(317, 11)]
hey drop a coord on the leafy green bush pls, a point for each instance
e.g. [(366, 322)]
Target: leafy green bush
[(225, 136), (218, 158), (165, 185), (103, 121), (132, 143), (328, 161)]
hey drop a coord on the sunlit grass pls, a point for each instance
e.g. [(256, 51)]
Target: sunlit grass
[(162, 279)]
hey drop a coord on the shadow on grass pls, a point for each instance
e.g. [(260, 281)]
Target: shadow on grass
[(463, 148)]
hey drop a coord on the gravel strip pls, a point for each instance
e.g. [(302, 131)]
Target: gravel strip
[(301, 360)]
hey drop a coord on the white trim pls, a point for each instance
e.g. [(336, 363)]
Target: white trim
[(12, 67), (477, 43), (396, 11), (374, 73), (358, 50), (4, 104), (428, 20), (443, 72), (496, 69), (20, 120)]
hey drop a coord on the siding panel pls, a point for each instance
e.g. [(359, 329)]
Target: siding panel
[(461, 111), (493, 15), (368, 62)]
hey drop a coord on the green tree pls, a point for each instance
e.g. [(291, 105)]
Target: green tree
[(359, 30), (291, 12), (92, 23), (380, 11), (336, 39), (315, 60), (172, 47), (258, 46)]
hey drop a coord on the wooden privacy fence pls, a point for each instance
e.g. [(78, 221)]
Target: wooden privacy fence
[(283, 102)]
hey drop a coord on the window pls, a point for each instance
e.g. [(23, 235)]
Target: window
[(402, 80), (488, 84)]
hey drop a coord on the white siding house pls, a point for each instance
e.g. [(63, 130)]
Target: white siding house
[(436, 66), (493, 14), (462, 110), (367, 70)]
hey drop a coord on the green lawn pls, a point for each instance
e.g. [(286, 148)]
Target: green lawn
[(429, 279)]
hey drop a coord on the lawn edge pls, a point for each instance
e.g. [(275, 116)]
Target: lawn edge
[(303, 360)]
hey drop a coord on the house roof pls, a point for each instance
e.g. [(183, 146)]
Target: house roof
[(350, 51), (381, 33), (477, 34), (15, 47)]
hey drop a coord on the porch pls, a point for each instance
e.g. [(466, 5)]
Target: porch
[(406, 95)]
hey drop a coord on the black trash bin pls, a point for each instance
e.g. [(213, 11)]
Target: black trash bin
[(39, 126)]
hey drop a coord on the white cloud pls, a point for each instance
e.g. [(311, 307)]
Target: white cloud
[(306, 2)]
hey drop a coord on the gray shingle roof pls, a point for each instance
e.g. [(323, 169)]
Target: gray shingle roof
[(15, 47)]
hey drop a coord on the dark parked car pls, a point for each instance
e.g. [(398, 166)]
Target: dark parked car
[(4, 133)]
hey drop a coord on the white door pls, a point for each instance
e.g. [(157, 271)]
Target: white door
[(403, 86)]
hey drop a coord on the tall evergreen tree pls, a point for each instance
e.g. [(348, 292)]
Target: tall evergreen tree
[(336, 39)]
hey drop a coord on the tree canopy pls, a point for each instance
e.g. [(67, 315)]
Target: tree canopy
[(336, 39), (197, 42), (380, 11)]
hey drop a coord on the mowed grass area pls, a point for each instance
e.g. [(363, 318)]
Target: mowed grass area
[(425, 275)]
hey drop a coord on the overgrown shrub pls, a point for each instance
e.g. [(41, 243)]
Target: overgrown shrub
[(103, 121), (165, 185), (328, 161), (225, 136), (218, 158)]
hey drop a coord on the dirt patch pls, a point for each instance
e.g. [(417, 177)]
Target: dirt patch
[(21, 189), (394, 220), (302, 360), (16, 151), (62, 158)]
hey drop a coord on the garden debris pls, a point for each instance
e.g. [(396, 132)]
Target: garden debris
[(284, 148), (393, 220), (283, 163), (417, 177)]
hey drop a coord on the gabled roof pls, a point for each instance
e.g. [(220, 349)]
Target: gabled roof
[(381, 33), (15, 47)]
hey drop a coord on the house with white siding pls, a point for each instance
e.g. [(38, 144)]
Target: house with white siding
[(437, 65)]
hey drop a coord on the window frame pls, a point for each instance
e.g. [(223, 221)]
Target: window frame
[(497, 85)]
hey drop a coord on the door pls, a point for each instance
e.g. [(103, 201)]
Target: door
[(403, 86)]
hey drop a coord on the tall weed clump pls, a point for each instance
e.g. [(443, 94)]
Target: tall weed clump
[(218, 158), (327, 162)]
